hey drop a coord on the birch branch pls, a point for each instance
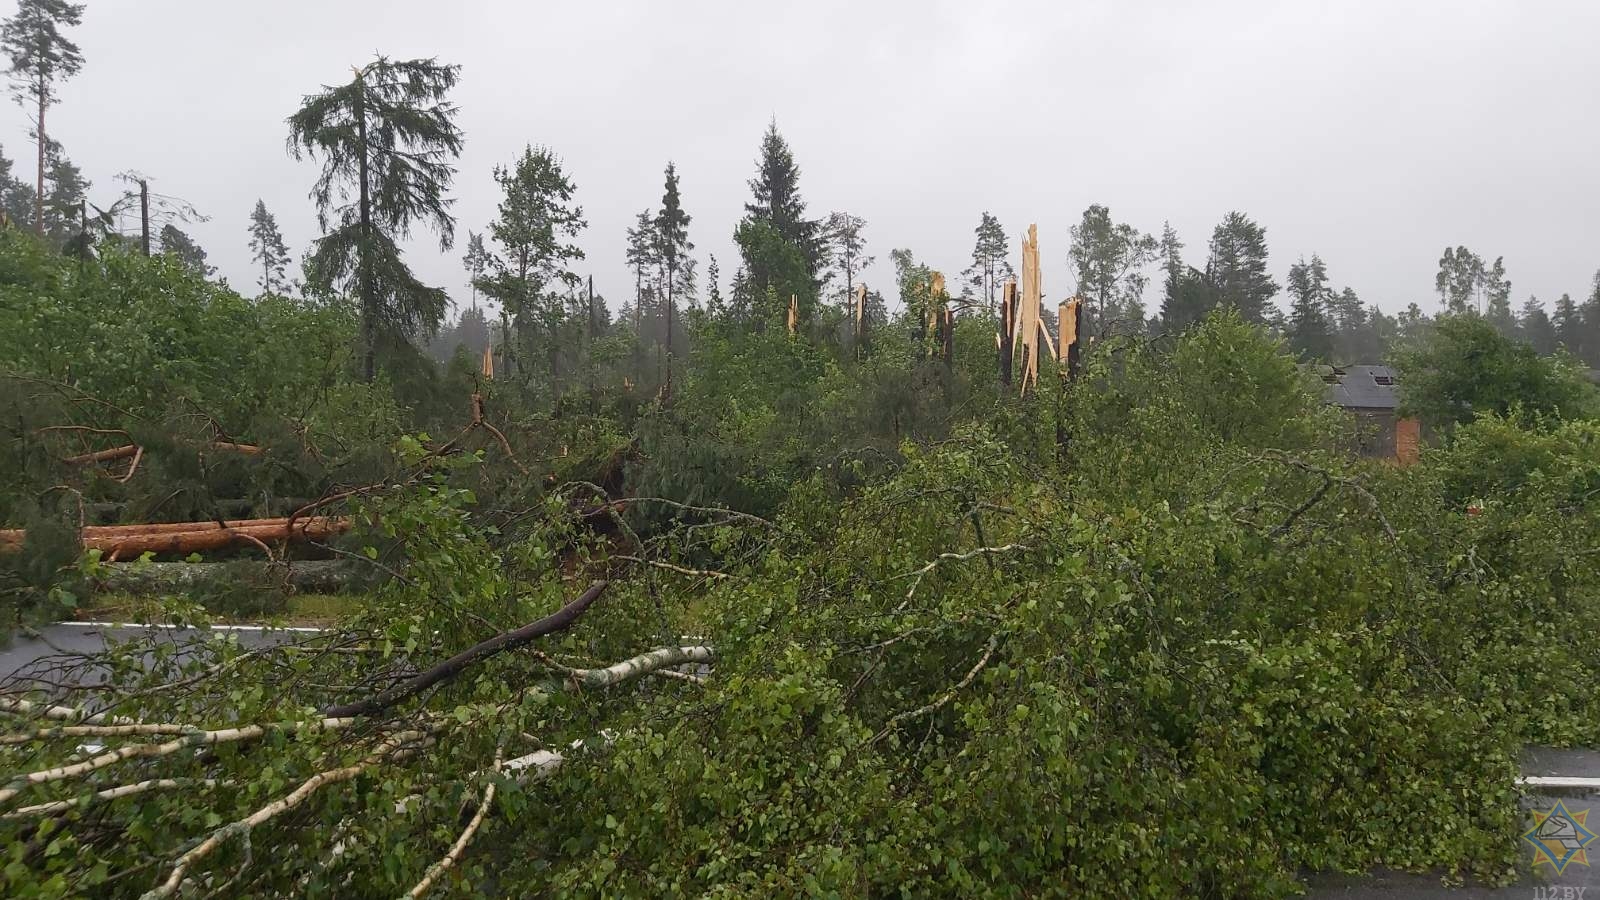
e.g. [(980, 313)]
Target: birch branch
[(460, 846), (276, 808), (194, 738), (643, 664), (994, 642), (125, 790)]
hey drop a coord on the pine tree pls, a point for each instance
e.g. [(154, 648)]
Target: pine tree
[(40, 58), (1588, 344), (1535, 327), (777, 203), (845, 252), (17, 201), (267, 248), (672, 239), (991, 263), (1237, 270), (1108, 259), (65, 192), (388, 140), (1460, 280), (1309, 333), (180, 246), (536, 229), (713, 290)]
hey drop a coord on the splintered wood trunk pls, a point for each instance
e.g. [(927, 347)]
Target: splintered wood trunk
[(861, 320), (948, 338), (1028, 324), (1008, 330)]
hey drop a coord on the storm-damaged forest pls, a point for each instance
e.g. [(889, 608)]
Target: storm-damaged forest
[(1105, 562)]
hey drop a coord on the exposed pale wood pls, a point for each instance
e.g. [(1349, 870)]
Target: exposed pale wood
[(1028, 324), (794, 315), (107, 455)]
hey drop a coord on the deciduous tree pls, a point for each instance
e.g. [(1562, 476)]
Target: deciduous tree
[(536, 232), (1108, 259)]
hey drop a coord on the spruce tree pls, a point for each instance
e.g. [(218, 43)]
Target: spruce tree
[(991, 262), (1535, 327), (1588, 344), (776, 199), (41, 56), (17, 201), (388, 142), (1309, 294), (672, 241), (267, 249), (1568, 324), (1237, 270), (180, 246), (1108, 259), (713, 290), (65, 192)]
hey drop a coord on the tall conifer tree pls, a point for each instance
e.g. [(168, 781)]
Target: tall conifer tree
[(41, 56), (388, 143)]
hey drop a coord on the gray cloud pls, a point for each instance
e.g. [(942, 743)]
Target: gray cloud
[(1373, 133)]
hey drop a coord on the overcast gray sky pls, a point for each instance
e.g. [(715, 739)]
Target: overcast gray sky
[(1373, 133)]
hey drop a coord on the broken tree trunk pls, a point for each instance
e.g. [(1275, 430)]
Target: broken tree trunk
[(192, 537), (128, 450), (1028, 318), (1007, 335)]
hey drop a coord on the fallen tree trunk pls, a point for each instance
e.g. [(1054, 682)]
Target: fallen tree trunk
[(311, 576), (128, 450), (560, 620), (188, 537), (214, 538)]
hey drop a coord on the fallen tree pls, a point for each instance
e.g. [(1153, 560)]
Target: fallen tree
[(191, 537)]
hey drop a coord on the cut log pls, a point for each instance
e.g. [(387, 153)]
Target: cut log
[(192, 537), (318, 576), (99, 532), (312, 528)]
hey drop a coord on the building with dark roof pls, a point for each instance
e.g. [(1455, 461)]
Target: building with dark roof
[(1369, 394)]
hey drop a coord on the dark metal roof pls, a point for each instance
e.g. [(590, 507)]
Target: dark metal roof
[(1360, 387)]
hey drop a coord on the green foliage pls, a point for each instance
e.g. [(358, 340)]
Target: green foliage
[(1466, 368)]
